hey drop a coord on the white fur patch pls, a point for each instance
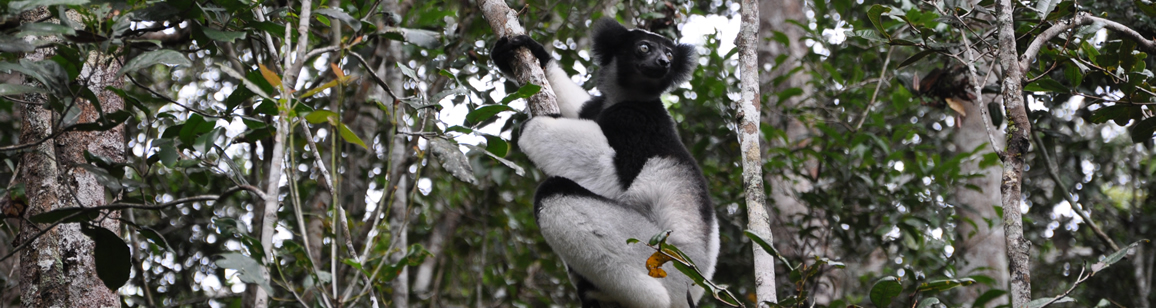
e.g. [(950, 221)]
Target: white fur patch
[(574, 149), (570, 95)]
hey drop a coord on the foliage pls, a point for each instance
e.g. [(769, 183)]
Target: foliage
[(382, 90)]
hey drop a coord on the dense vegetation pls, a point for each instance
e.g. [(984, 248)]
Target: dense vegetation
[(402, 182)]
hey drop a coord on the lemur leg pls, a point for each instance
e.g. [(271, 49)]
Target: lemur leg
[(589, 233), (572, 148)]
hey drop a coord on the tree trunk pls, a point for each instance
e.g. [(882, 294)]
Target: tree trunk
[(748, 119), (57, 268), (1019, 130), (982, 245)]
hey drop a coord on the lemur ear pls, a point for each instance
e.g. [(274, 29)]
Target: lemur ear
[(608, 36), (683, 64)]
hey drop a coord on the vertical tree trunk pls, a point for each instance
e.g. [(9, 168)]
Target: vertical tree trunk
[(57, 268), (1018, 133), (981, 246), (758, 221), (399, 215)]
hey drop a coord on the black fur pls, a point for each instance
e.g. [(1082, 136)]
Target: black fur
[(636, 68), (503, 52), (560, 186)]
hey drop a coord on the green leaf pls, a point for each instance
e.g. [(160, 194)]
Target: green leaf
[(1047, 84), (168, 152), (914, 58), (15, 89), (350, 137), (1148, 8), (485, 113), (452, 159), (249, 84), (154, 236), (928, 302), (1115, 256), (944, 284), (988, 296), (524, 92), (1120, 113), (408, 72), (44, 29), (321, 116), (1143, 131), (884, 290), (222, 36), (342, 16), (874, 14), (148, 59), (790, 92), (248, 269), (112, 256), (497, 146), (62, 215)]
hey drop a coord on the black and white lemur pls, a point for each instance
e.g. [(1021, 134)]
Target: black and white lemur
[(618, 170)]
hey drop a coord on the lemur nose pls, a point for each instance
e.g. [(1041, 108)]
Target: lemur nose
[(663, 62)]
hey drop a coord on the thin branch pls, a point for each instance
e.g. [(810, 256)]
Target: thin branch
[(1082, 19), (166, 98), (17, 147), (1079, 279), (372, 73), (977, 86), (882, 74), (1049, 163)]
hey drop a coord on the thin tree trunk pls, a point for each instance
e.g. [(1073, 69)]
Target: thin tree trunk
[(758, 221), (1018, 133), (58, 269)]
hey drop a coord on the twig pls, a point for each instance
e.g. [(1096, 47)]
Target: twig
[(1068, 196), (977, 86), (882, 73), (1079, 279)]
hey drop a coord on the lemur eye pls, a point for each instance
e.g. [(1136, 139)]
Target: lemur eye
[(644, 48)]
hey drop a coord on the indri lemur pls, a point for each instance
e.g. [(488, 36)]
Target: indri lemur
[(618, 170)]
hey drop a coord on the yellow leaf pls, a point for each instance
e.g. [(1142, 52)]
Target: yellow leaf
[(956, 105), (337, 71), (320, 88), (654, 264), (270, 76)]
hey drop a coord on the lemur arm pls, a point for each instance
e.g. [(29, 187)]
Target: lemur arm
[(571, 96)]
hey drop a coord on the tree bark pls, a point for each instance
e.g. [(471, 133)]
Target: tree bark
[(1018, 134), (57, 268), (748, 119), (505, 23)]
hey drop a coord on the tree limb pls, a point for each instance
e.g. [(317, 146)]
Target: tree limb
[(526, 69), (1082, 19)]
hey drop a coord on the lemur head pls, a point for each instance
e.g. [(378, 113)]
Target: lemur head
[(638, 64)]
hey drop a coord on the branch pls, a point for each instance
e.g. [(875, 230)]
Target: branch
[(505, 23), (1068, 197), (1082, 19)]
